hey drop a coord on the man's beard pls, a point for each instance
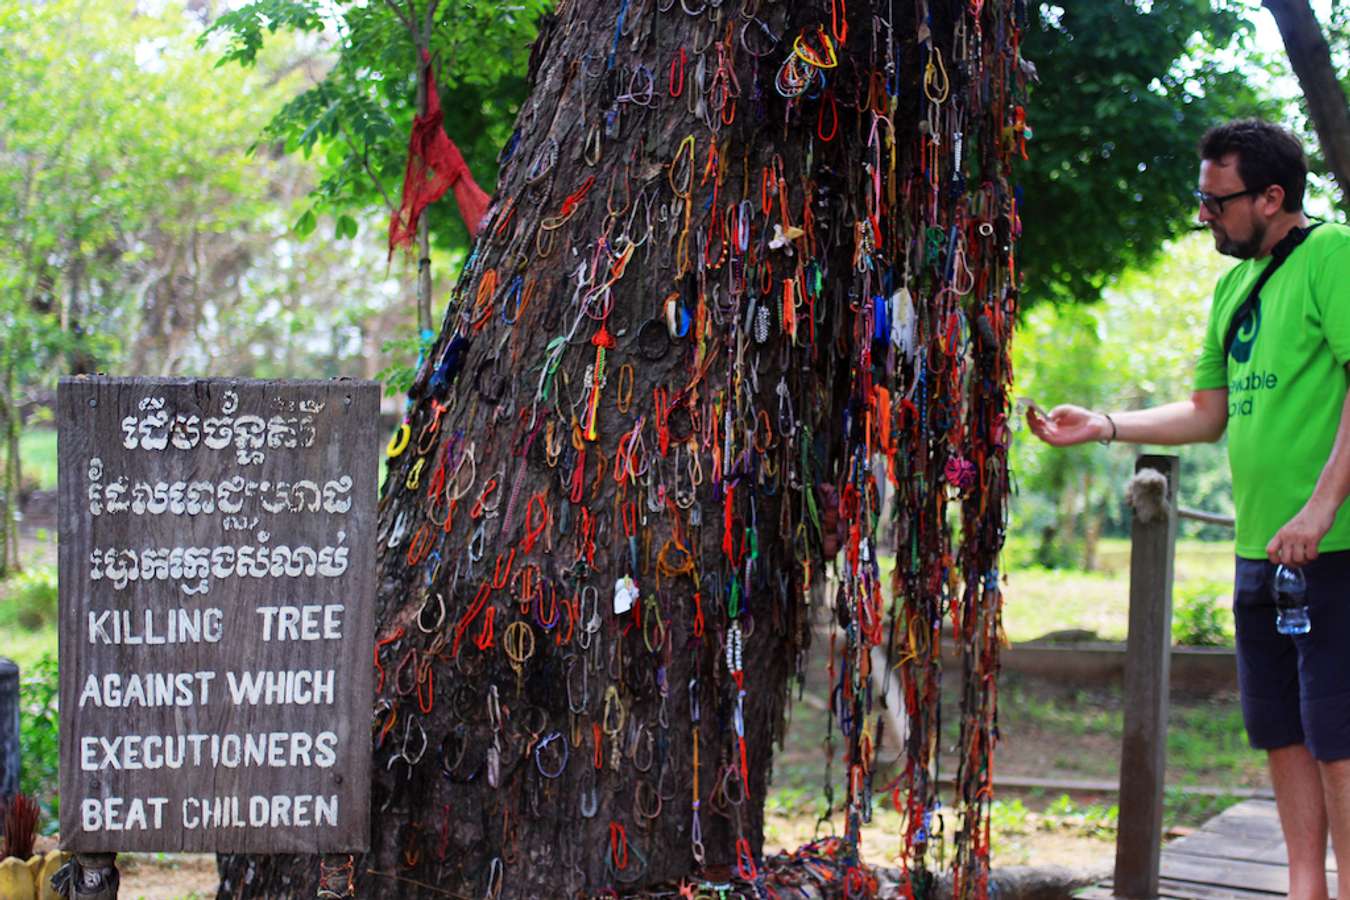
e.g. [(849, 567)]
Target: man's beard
[(1248, 249)]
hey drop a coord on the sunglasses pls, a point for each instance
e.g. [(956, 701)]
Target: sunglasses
[(1215, 204)]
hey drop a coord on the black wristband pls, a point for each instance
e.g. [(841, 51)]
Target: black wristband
[(1112, 438)]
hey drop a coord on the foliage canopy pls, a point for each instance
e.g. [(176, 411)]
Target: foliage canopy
[(354, 123), (1125, 91)]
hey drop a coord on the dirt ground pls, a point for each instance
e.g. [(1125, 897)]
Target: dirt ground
[(1026, 748), (192, 876), (159, 876), (168, 876), (881, 844)]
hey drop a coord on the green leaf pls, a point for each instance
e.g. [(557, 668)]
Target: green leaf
[(246, 26), (306, 224), (346, 227)]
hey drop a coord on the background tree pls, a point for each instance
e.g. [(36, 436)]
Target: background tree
[(1136, 347), (355, 120), (1323, 85), (1094, 355), (1124, 91), (140, 236), (734, 251)]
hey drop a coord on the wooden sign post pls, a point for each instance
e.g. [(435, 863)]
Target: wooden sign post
[(217, 566)]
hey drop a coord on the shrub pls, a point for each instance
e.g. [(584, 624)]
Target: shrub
[(28, 600), (1200, 616), (1019, 552), (39, 743), (20, 816)]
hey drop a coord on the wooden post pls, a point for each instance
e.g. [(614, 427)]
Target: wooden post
[(9, 731), (99, 876), (88, 876), (1143, 755)]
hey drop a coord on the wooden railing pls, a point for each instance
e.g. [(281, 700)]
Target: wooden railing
[(1143, 752)]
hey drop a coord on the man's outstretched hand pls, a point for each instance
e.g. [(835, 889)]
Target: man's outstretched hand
[(1067, 425)]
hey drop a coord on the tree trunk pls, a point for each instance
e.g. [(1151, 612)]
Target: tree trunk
[(78, 359), (1092, 523), (7, 499), (1311, 58), (421, 36), (15, 480), (11, 475), (684, 331), (1066, 534)]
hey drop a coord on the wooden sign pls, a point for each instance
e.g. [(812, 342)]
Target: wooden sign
[(217, 583)]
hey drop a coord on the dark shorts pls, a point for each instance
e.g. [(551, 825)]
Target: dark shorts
[(1295, 689)]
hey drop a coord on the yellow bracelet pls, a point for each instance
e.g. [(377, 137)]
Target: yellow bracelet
[(398, 442)]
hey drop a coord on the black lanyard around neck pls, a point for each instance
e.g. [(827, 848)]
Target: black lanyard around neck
[(1251, 307)]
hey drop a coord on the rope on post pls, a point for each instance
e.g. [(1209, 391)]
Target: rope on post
[(88, 876), (1146, 494)]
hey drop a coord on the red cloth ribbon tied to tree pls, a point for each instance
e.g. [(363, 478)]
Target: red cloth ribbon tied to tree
[(435, 165)]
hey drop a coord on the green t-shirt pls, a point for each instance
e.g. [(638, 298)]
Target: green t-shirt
[(1286, 381)]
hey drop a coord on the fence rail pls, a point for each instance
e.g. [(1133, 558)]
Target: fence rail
[(1200, 515)]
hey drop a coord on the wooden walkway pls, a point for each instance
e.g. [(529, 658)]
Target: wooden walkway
[(1239, 853)]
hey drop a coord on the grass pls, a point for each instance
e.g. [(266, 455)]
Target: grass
[(28, 615), (1075, 713), (28, 599), (1096, 818), (1182, 810), (1194, 559), (39, 743), (37, 454), (1024, 830), (1206, 742), (1047, 730), (1031, 828), (1040, 601), (27, 647), (1058, 731)]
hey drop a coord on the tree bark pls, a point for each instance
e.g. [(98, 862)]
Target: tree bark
[(683, 333), (15, 478), (8, 500), (1311, 59)]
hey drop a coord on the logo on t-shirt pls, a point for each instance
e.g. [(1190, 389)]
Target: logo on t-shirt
[(1248, 385), (1241, 351)]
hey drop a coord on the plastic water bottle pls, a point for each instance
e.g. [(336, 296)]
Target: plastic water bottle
[(1291, 601)]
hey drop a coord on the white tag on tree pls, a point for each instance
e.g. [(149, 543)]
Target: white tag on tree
[(625, 595), (903, 321)]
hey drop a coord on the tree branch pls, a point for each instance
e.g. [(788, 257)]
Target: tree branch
[(1311, 59), (365, 164), (402, 17)]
